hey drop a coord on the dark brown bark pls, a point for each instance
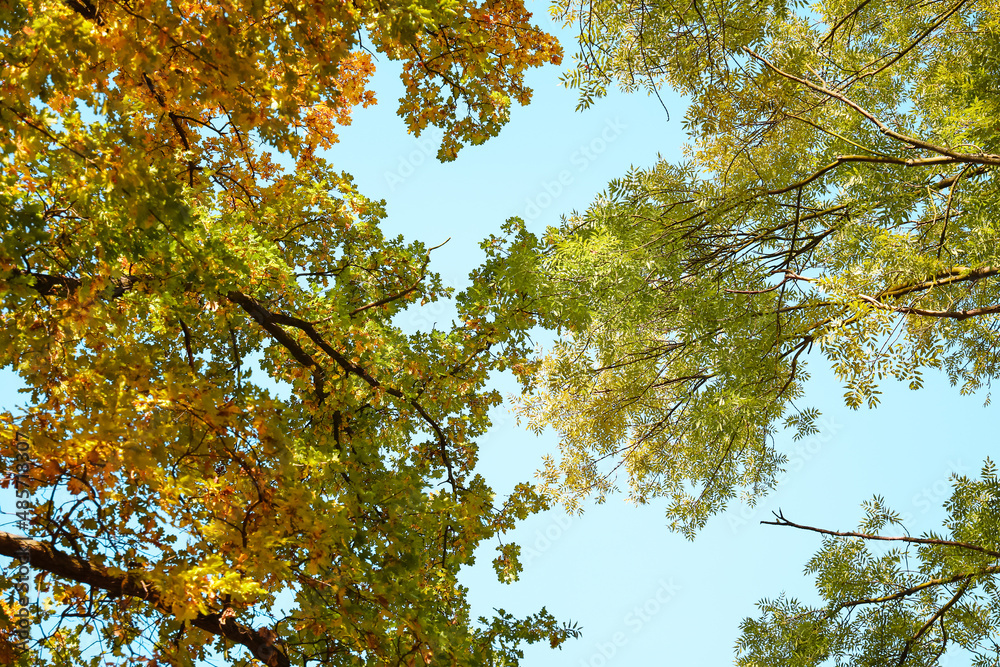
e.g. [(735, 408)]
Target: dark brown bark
[(42, 556), (87, 10), (49, 285)]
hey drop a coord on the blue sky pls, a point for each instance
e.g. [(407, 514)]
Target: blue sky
[(643, 595)]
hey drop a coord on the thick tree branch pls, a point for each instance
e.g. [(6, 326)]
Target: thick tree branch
[(951, 180), (47, 284), (269, 322), (45, 557), (955, 275), (87, 10), (848, 159), (272, 323), (923, 312)]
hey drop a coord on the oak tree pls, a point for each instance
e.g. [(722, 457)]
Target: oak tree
[(227, 449)]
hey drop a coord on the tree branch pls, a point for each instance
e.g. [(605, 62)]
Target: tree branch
[(45, 557), (945, 314), (87, 10), (393, 297), (939, 614), (955, 275), (47, 284), (272, 322), (847, 159), (268, 321), (982, 158), (780, 520)]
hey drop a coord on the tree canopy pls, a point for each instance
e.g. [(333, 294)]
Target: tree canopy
[(837, 197), (173, 503), (893, 599), (229, 449), (837, 200)]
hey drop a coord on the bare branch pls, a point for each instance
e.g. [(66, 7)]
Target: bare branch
[(780, 520)]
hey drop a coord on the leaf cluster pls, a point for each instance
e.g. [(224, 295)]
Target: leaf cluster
[(234, 452), (836, 198)]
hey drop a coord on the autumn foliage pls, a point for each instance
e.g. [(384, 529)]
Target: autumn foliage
[(234, 453)]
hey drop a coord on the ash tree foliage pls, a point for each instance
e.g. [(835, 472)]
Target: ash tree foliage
[(893, 599), (173, 507), (836, 202)]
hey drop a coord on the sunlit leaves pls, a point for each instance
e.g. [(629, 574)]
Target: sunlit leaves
[(221, 412), (889, 598), (837, 198)]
